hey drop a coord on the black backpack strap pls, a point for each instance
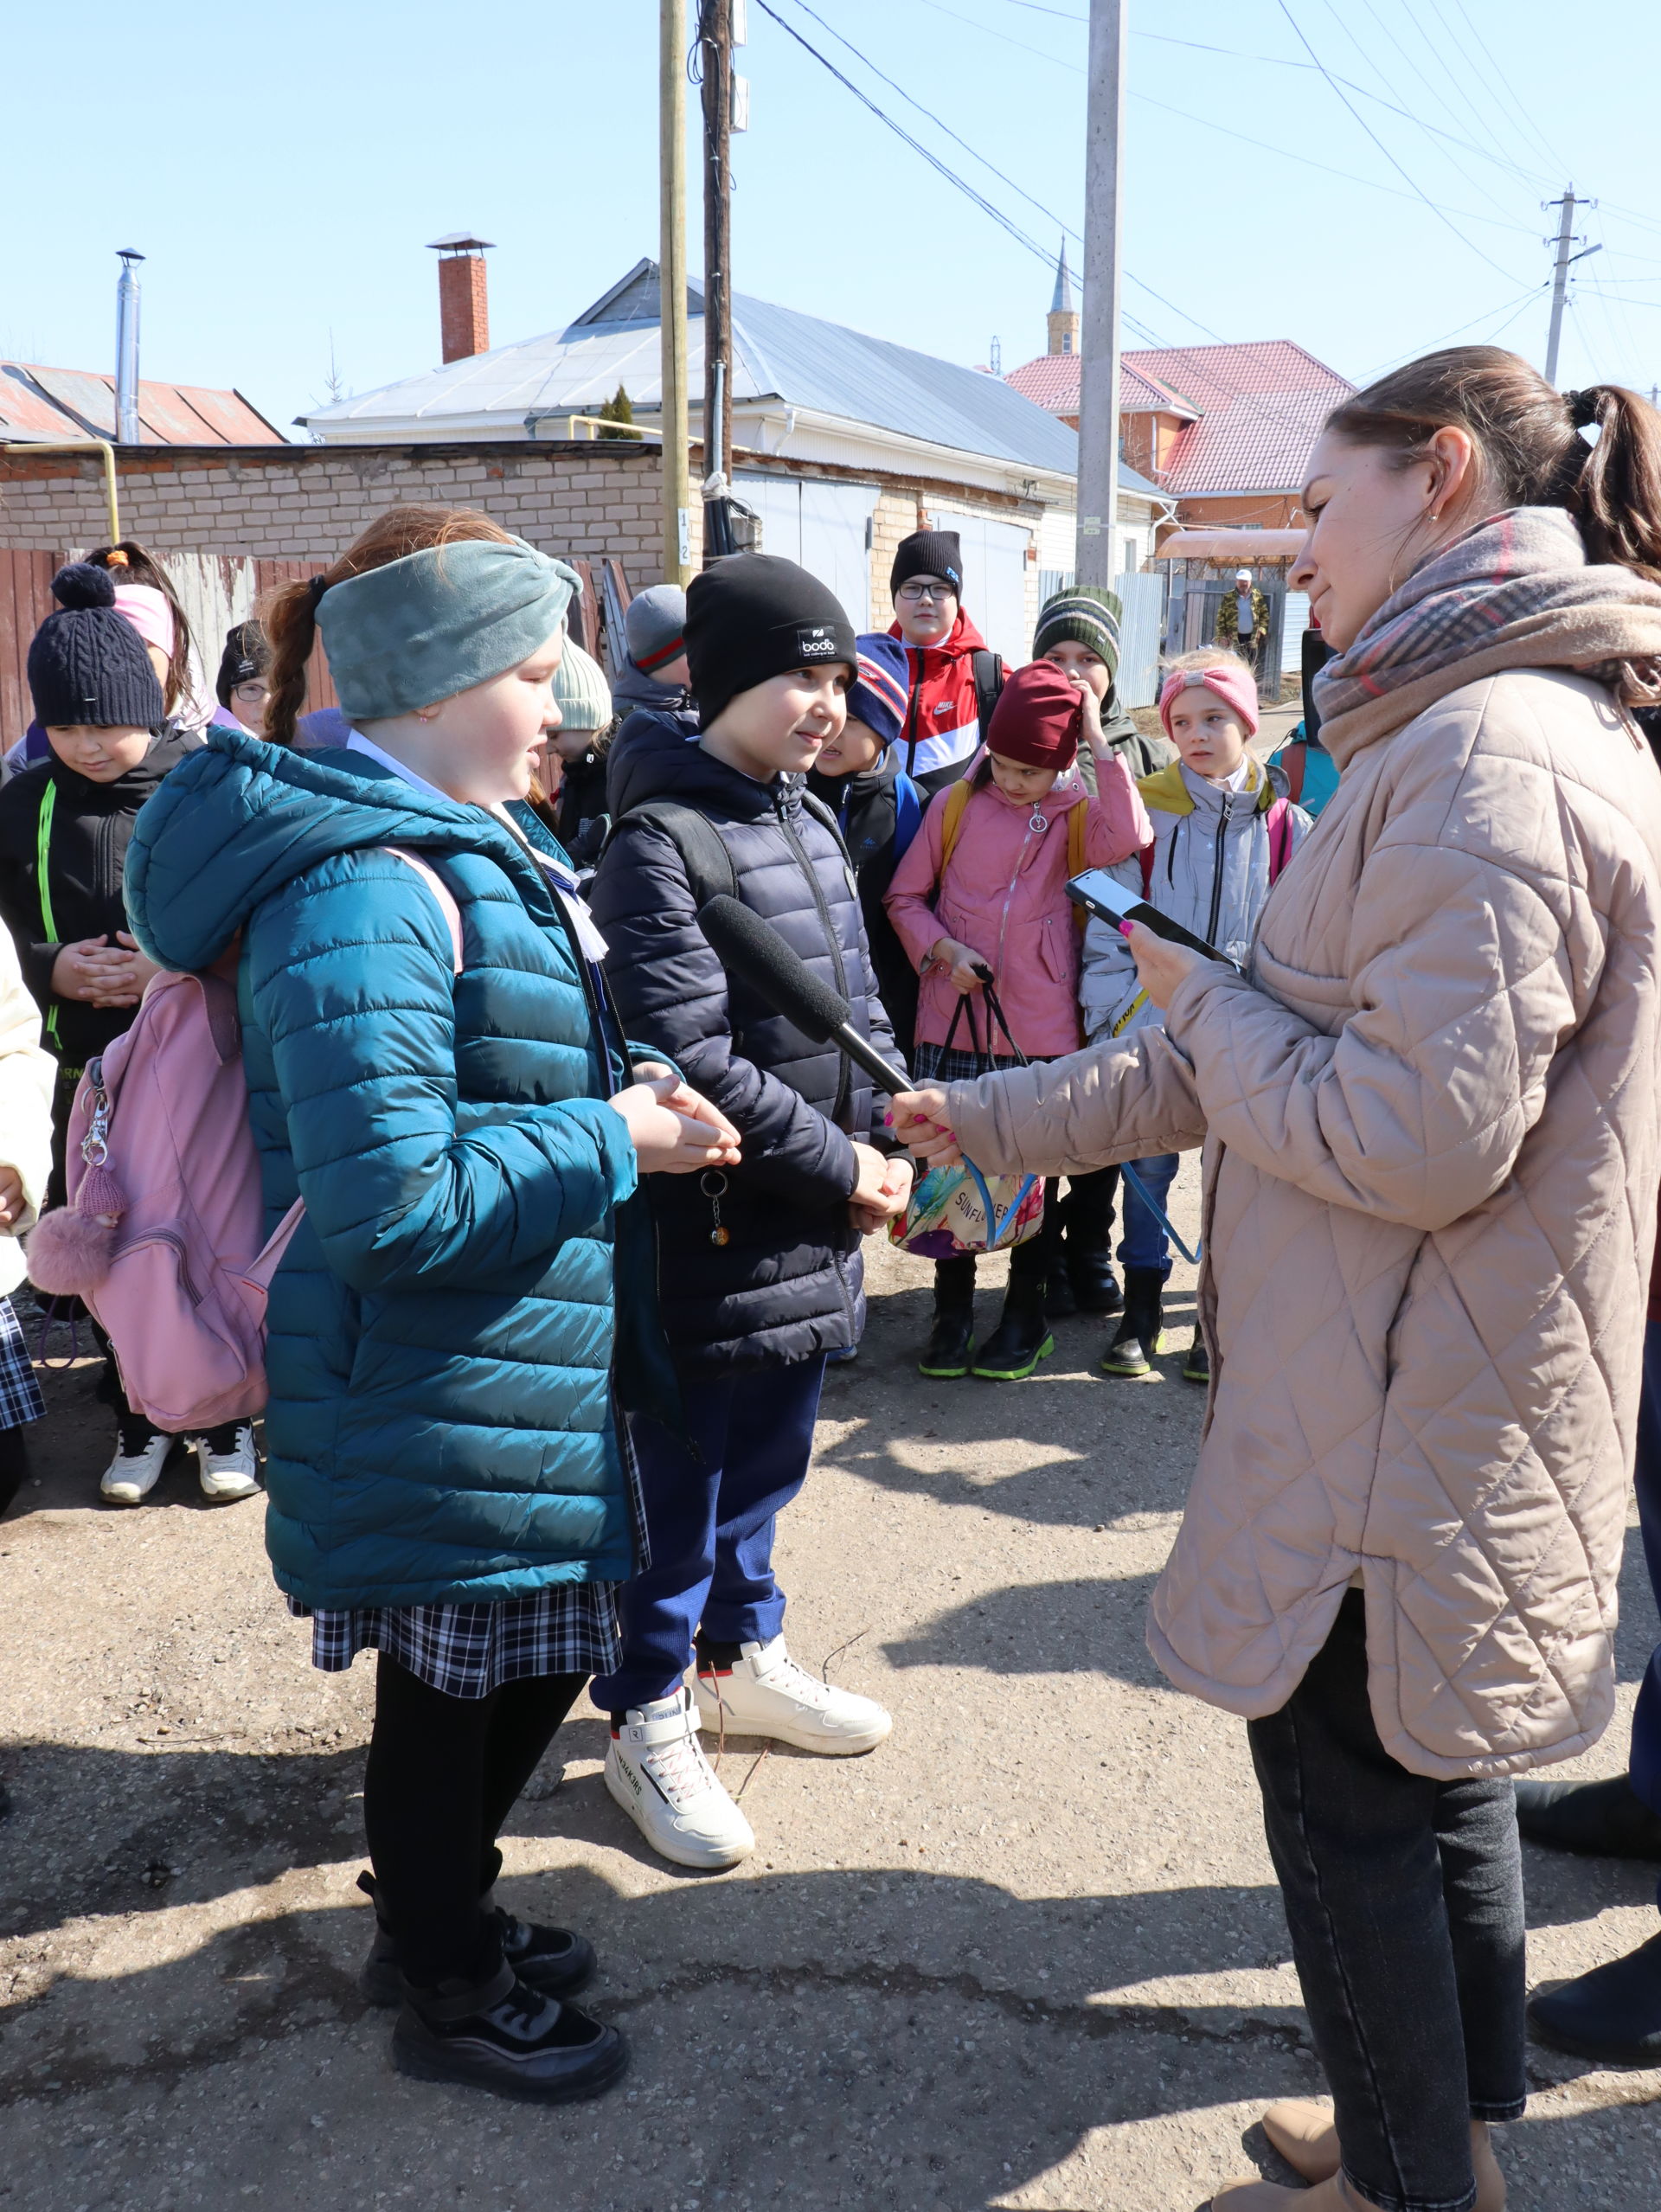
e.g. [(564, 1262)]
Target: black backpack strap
[(989, 684), (709, 865)]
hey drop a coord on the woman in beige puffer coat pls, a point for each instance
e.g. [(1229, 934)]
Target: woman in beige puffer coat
[(1430, 1116)]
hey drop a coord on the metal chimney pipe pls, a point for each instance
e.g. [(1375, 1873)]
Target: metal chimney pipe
[(126, 348)]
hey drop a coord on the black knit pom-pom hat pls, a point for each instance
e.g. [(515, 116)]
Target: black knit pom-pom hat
[(87, 665)]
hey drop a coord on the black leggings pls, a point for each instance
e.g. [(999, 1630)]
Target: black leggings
[(443, 1773)]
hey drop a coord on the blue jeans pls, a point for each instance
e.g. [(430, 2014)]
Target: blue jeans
[(1404, 1903), (709, 1521), (1144, 1244), (1645, 1763)]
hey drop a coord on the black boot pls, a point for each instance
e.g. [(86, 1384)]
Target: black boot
[(504, 2036), (1612, 2016), (1604, 1818), (1139, 1338), (1087, 1226), (946, 1355), (1022, 1338), (1197, 1368), (551, 1960), (1059, 1303)]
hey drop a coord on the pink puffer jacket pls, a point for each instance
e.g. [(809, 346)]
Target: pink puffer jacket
[(1004, 893), (1430, 1116)]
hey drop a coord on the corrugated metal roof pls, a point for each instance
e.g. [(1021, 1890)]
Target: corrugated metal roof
[(51, 403), (782, 353)]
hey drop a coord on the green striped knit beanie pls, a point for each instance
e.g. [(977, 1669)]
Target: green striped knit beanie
[(1090, 618)]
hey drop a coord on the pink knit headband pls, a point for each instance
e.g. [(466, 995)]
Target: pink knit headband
[(149, 612), (1235, 687)]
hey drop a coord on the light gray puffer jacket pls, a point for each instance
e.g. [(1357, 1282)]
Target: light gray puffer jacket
[(1208, 869), (1430, 1116)]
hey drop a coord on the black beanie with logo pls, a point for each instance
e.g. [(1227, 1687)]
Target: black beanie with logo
[(87, 666), (753, 616), (928, 553)]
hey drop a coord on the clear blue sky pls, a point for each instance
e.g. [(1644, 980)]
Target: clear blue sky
[(283, 170)]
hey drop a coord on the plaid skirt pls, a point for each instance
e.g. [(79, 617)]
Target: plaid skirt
[(19, 1394), (468, 1651), (940, 1063)]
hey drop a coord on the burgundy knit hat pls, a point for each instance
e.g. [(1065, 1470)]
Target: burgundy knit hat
[(1038, 718)]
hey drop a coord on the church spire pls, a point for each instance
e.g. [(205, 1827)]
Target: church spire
[(1063, 315)]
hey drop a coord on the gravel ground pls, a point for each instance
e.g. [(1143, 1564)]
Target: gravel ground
[(1028, 1954)]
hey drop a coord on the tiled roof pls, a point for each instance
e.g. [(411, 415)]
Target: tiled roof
[(1259, 407), (1262, 404), (55, 403)]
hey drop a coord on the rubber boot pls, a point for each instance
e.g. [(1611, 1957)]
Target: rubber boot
[(1088, 1227), (1139, 1338), (1197, 1367), (1022, 1338), (946, 1355)]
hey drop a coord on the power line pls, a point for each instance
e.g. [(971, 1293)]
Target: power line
[(1037, 53), (1520, 108), (1437, 65), (1441, 214)]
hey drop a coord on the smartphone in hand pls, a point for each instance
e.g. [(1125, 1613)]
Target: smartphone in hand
[(1098, 892)]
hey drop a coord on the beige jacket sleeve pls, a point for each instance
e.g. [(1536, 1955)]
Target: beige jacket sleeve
[(27, 1077), (1113, 1101), (1466, 977)]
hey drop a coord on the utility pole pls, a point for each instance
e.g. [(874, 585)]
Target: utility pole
[(715, 53), (1103, 171), (672, 287), (1565, 260)]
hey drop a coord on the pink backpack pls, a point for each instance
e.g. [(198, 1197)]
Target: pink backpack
[(163, 1233)]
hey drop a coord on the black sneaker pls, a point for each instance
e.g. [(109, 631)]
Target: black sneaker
[(509, 2038), (549, 1959), (1612, 2016), (1605, 1819)]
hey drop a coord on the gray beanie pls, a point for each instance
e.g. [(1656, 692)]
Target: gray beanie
[(655, 626)]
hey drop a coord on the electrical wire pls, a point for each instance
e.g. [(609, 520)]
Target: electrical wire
[(1432, 345), (916, 145), (1440, 213), (1037, 53), (1438, 59), (1520, 108)]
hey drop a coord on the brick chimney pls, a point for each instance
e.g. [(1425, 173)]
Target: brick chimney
[(463, 308)]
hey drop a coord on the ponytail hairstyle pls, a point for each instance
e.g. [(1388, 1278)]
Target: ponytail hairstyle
[(129, 563), (290, 616), (1530, 450)]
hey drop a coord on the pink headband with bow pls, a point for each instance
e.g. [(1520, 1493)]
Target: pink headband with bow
[(1235, 687)]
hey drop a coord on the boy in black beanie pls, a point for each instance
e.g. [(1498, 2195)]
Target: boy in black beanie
[(65, 825), (759, 1264), (955, 680)]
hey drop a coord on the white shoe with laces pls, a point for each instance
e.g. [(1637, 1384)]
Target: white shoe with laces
[(766, 1694), (228, 1475), (131, 1476), (656, 1770)]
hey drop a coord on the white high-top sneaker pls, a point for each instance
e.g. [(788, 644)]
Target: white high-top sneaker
[(228, 1475), (131, 1476), (766, 1694), (656, 1769)]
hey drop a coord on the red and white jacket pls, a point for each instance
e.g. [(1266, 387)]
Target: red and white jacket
[(942, 725)]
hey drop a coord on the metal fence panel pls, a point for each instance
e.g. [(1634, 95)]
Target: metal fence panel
[(1142, 598)]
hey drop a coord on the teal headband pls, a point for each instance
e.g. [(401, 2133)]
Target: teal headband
[(435, 622)]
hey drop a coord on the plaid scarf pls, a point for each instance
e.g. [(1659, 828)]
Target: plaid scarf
[(1516, 591)]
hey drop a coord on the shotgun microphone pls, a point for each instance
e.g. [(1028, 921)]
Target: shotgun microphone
[(752, 949)]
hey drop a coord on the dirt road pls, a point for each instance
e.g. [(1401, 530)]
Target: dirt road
[(1027, 1954)]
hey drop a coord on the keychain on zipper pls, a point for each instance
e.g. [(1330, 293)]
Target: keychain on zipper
[(1039, 823), (713, 1183)]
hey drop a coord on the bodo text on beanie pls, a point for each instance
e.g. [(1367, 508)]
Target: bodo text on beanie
[(1084, 616), (1038, 718), (245, 659), (928, 553), (655, 627), (419, 630), (880, 693), (87, 666), (753, 616), (1232, 681)]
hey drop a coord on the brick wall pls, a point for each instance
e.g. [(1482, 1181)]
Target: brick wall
[(306, 500)]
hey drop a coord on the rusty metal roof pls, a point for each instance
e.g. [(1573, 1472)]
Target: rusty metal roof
[(51, 403)]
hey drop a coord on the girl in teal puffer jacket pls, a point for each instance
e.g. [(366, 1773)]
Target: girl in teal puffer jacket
[(447, 1483)]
